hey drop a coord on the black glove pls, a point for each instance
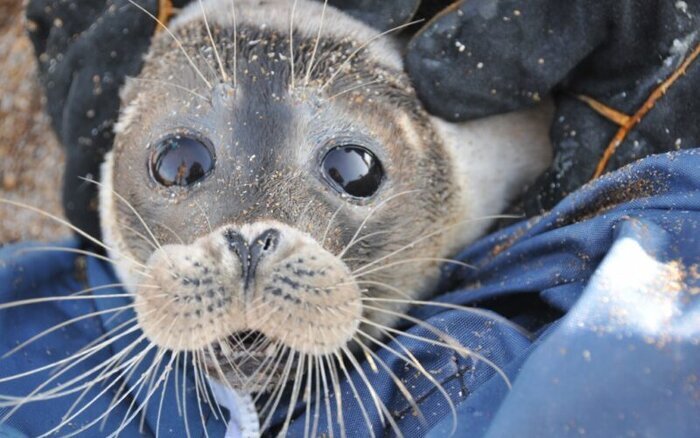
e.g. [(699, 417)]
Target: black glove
[(483, 57), (85, 49)]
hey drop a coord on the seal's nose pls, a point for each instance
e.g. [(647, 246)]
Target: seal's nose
[(251, 253)]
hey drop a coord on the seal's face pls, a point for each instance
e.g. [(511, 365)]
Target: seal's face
[(267, 206)]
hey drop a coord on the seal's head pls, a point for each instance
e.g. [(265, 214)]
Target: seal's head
[(277, 180)]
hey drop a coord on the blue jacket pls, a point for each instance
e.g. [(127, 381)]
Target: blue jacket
[(607, 283)]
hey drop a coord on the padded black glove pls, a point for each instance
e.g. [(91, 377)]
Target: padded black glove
[(86, 49), (483, 57)]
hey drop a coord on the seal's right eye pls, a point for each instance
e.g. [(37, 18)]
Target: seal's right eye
[(181, 160)]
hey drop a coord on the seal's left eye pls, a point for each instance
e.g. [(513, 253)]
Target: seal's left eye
[(181, 161), (353, 169)]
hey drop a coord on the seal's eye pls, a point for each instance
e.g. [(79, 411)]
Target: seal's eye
[(181, 161), (353, 169)]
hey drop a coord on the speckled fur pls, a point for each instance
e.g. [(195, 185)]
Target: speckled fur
[(268, 138)]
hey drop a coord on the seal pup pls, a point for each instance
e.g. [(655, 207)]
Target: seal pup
[(277, 197)]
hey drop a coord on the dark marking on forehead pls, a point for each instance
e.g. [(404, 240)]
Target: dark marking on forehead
[(261, 126)]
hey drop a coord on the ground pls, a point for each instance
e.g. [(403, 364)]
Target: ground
[(31, 159)]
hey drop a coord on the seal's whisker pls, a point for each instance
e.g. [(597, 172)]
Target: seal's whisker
[(307, 393), (203, 383), (141, 356), (399, 384), (333, 372), (61, 325), (197, 390), (309, 69), (326, 394), (449, 341), (361, 239), (156, 364), (204, 53), (114, 367), (280, 353), (432, 234), (78, 251), (382, 410), (268, 365), (291, 44), (410, 359), (385, 286), (363, 46), (224, 76), (239, 343), (354, 87), (176, 384), (171, 231), (66, 419), (369, 215), (177, 41), (17, 402), (302, 215), (275, 395), (109, 320), (355, 394), (233, 366), (137, 233), (67, 224), (129, 377), (235, 42), (330, 222), (360, 271), (476, 311), (222, 377), (108, 368), (317, 398), (100, 339), (171, 84), (130, 206), (113, 362), (295, 394), (142, 422), (166, 374), (65, 298), (204, 213), (184, 395)]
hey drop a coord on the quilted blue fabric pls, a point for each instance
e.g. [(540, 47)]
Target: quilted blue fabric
[(607, 283)]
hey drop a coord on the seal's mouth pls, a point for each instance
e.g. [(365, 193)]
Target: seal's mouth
[(247, 360), (240, 350)]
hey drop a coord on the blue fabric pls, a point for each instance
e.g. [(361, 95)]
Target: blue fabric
[(608, 283)]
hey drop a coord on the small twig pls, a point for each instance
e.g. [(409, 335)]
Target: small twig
[(611, 114), (165, 12), (633, 120)]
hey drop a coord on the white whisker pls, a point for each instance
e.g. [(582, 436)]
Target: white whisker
[(318, 39), (361, 271), (213, 44), (61, 325), (362, 46), (291, 44), (450, 343), (476, 311), (177, 41)]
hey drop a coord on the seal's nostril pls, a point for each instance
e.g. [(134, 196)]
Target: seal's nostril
[(263, 244)]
